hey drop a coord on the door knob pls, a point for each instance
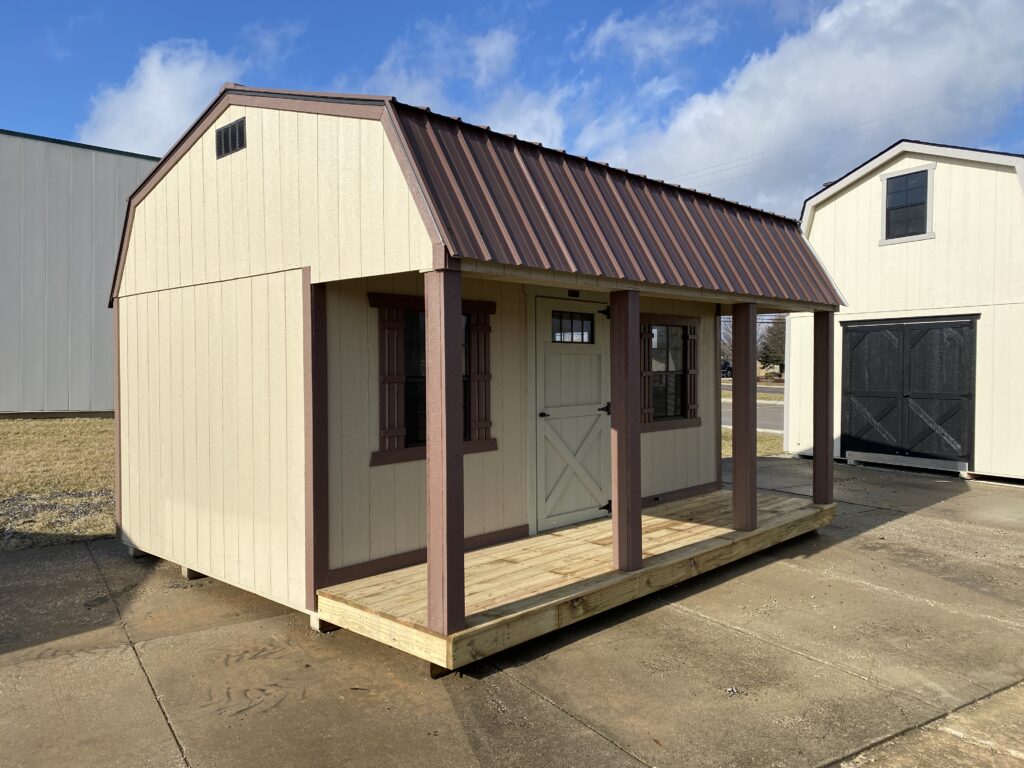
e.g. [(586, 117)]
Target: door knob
[(543, 414)]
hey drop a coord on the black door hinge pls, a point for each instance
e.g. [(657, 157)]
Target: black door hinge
[(606, 408), (607, 312), (606, 508)]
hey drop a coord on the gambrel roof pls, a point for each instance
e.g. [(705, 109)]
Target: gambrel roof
[(496, 198)]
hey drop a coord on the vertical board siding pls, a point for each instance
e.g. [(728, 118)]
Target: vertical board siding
[(974, 264), (380, 511), (213, 470), (308, 190), (61, 211), (674, 459)]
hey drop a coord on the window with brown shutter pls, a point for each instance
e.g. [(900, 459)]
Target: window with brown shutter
[(402, 362), (670, 350)]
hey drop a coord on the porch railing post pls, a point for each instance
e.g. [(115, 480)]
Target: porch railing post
[(824, 351), (627, 537), (446, 600), (744, 417)]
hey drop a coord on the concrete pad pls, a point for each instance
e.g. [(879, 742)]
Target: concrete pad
[(928, 747), (272, 692), (943, 657), (678, 690), (53, 602), (155, 600), (996, 722), (86, 708)]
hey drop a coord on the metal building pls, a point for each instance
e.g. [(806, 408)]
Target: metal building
[(62, 208)]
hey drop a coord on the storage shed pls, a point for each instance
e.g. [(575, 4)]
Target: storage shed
[(437, 385), (62, 208), (926, 242)]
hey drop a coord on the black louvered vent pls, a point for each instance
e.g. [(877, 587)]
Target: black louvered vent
[(231, 138)]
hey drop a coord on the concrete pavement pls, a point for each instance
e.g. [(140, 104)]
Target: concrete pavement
[(853, 644)]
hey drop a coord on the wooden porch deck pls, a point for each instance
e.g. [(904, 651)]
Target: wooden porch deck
[(525, 588)]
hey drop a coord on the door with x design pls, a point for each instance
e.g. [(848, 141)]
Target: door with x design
[(573, 448)]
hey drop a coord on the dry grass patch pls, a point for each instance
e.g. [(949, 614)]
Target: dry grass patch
[(56, 481), (768, 443)]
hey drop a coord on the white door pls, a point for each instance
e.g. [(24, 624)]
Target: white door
[(573, 449)]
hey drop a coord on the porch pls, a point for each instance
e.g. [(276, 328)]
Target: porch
[(522, 589)]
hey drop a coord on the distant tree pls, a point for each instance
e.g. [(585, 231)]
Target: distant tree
[(772, 349)]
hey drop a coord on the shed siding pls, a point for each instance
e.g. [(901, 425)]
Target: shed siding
[(308, 190), (213, 420), (61, 212), (674, 459), (974, 264), (380, 511)]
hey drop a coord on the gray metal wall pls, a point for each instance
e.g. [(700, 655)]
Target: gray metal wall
[(61, 211)]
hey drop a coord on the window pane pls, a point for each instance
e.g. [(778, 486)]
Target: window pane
[(658, 396), (675, 348), (906, 205), (917, 180), (659, 347), (905, 222), (572, 327), (896, 184)]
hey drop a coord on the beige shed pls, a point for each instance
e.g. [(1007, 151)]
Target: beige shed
[(435, 384)]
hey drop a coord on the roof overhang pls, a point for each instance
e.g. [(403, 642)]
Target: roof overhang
[(906, 147)]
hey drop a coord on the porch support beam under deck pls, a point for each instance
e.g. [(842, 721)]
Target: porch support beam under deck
[(627, 530), (744, 417), (446, 601), (824, 351)]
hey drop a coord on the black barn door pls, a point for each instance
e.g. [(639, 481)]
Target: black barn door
[(908, 389)]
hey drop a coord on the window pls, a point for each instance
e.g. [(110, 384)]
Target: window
[(572, 327), (669, 372), (403, 378), (907, 214)]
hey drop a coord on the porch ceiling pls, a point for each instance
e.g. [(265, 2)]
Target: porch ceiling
[(525, 588)]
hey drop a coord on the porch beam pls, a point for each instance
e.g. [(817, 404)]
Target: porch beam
[(627, 533), (824, 365), (744, 417), (446, 600)]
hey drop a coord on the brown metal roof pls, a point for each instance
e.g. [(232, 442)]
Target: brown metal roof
[(504, 200)]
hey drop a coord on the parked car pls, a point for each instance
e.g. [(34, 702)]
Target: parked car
[(726, 369)]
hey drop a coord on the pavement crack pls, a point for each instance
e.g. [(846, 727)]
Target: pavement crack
[(804, 654), (138, 659), (569, 714)]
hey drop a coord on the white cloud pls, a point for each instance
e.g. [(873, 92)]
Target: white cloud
[(658, 88), (652, 37), (171, 84), (494, 53), (530, 114), (863, 74)]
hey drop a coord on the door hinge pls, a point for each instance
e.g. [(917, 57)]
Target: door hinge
[(607, 312), (606, 408), (606, 508)]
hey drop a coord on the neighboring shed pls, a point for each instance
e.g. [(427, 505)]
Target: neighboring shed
[(927, 242), (358, 339), (62, 208)]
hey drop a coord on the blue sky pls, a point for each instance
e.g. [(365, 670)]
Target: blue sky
[(757, 101)]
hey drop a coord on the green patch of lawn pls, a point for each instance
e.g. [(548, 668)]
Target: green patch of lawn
[(56, 481), (768, 443)]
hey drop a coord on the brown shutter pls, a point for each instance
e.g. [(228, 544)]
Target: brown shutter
[(479, 376), (647, 396), (392, 378), (692, 352)]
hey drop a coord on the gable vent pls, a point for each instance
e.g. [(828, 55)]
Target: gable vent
[(231, 138)]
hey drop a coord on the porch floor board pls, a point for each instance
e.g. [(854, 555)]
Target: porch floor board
[(525, 588)]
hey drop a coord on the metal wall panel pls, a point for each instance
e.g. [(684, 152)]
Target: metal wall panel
[(61, 211)]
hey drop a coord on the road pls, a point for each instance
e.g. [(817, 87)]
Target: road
[(769, 415), (762, 389)]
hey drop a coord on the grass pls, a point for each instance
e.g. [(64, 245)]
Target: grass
[(56, 481), (768, 443)]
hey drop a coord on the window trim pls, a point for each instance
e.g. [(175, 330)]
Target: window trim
[(405, 302), (929, 232), (682, 422)]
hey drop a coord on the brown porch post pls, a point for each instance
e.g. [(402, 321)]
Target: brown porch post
[(627, 536), (744, 417), (446, 600), (823, 407)]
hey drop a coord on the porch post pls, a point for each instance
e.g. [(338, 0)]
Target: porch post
[(824, 350), (627, 531), (446, 600), (744, 417)]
